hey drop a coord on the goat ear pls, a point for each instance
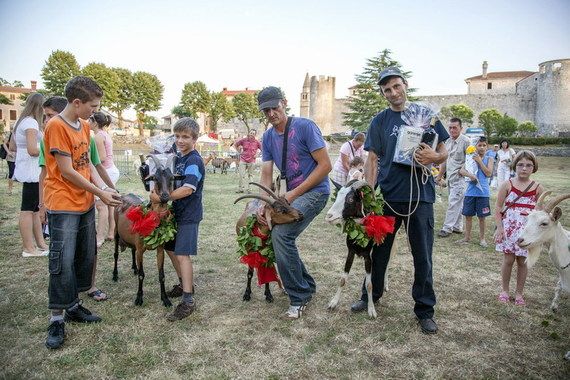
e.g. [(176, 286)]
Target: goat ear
[(556, 213)]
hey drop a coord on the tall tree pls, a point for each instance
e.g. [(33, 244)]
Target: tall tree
[(246, 109), (18, 84), (4, 100), (490, 119), (195, 99), (4, 82), (107, 79), (59, 68), (461, 111), (124, 98), (367, 100), (507, 126), (219, 108), (147, 94), (181, 112)]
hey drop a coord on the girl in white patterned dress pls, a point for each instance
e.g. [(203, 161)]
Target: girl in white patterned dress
[(512, 223)]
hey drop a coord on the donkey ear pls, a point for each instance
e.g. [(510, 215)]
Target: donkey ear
[(556, 213)]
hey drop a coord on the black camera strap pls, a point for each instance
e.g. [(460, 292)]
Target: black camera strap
[(284, 156)]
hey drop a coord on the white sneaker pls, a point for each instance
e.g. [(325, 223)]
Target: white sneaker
[(32, 254), (294, 312)]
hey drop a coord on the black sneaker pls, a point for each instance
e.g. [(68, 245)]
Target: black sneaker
[(428, 326), (81, 314), (443, 233), (182, 311), (56, 334), (175, 292)]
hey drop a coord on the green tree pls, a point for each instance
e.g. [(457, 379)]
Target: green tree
[(507, 126), (367, 100), (150, 122), (4, 100), (246, 109), (219, 108), (107, 79), (181, 112), (490, 119), (4, 82), (527, 128), (461, 111), (124, 98), (147, 94), (59, 68), (195, 99), (18, 84)]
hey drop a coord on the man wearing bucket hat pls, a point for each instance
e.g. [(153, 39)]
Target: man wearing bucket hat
[(397, 189), (296, 147)]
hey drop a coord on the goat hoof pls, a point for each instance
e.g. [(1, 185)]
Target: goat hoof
[(246, 297), (331, 306), (167, 303), (372, 314), (269, 299), (139, 301), (115, 278), (135, 272)]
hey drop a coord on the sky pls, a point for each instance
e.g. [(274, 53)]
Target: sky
[(238, 44)]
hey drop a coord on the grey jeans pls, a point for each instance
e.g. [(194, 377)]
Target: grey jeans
[(453, 218), (72, 251)]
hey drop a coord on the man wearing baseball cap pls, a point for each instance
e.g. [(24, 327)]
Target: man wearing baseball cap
[(397, 187), (296, 147)]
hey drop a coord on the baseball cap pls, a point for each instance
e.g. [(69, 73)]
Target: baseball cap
[(391, 71), (269, 97)]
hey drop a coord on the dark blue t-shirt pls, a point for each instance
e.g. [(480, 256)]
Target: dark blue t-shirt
[(393, 178), (189, 209), (304, 138)]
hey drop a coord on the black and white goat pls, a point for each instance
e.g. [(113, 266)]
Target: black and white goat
[(277, 211), (349, 204), (543, 227)]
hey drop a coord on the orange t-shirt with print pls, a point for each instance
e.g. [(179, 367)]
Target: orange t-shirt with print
[(60, 195)]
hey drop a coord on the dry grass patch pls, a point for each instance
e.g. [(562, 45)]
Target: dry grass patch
[(229, 338)]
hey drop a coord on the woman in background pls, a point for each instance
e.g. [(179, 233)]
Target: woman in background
[(106, 220)]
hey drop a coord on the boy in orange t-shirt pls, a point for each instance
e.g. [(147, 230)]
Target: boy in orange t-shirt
[(68, 197)]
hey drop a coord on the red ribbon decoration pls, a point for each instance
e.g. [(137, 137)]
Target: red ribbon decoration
[(265, 274), (142, 224), (377, 227)]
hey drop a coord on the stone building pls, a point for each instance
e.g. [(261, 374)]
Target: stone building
[(542, 97), (9, 113)]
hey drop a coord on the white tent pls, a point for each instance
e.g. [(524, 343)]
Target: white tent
[(205, 139)]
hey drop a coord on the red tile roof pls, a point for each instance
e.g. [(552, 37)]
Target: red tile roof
[(503, 75), (235, 92), (17, 90)]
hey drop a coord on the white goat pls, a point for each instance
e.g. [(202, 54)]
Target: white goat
[(543, 227)]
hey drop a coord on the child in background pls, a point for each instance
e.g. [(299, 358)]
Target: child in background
[(476, 199), (187, 206), (515, 199), (356, 169)]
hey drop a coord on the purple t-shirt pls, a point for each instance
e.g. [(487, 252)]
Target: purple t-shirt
[(304, 138)]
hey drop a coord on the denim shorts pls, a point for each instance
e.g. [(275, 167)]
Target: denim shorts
[(476, 205), (186, 241)]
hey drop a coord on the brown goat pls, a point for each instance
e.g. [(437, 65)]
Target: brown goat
[(124, 237), (277, 211)]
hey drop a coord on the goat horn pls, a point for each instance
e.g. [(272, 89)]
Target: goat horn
[(267, 190), (540, 201), (255, 196), (157, 162), (555, 201), (359, 184), (170, 163)]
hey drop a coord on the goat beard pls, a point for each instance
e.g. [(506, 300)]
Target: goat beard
[(142, 224), (378, 226)]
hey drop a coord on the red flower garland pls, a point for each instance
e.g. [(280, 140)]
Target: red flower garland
[(377, 226), (142, 224)]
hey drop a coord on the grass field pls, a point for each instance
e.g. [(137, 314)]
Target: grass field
[(229, 338)]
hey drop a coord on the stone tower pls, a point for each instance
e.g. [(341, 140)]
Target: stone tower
[(305, 103), (318, 102), (553, 97)]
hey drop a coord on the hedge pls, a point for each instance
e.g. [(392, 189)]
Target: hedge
[(537, 141)]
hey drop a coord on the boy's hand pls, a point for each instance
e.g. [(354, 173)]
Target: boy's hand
[(110, 199), (477, 159), (260, 214), (473, 179), (154, 198), (43, 215)]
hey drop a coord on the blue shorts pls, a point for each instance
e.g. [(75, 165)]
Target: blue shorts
[(186, 241), (476, 205)]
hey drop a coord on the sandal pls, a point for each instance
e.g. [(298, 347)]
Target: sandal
[(519, 301), (503, 297), (98, 295)]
